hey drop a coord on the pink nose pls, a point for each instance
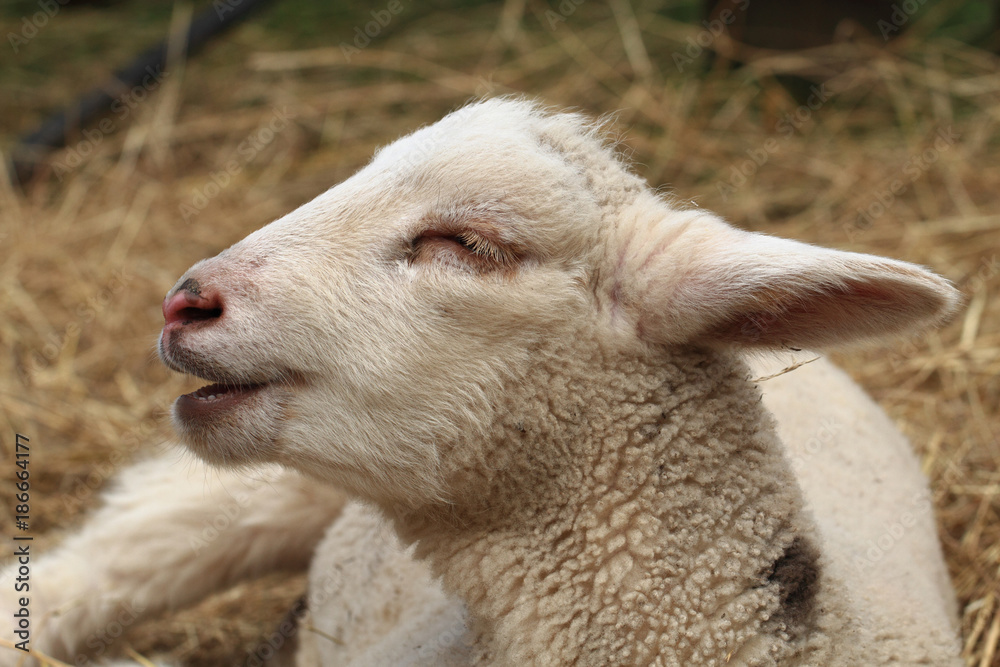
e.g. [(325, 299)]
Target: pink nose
[(191, 303)]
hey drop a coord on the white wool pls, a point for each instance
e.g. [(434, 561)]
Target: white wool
[(527, 369)]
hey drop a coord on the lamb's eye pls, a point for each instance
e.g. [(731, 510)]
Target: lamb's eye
[(466, 248)]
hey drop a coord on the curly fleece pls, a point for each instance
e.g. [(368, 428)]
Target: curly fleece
[(620, 515)]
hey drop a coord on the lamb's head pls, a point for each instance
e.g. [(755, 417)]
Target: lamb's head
[(365, 335)]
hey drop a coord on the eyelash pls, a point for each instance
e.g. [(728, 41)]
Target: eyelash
[(476, 250), (479, 246)]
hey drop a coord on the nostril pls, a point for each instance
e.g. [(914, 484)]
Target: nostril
[(189, 306), (198, 313)]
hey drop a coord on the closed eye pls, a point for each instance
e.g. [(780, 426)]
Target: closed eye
[(465, 249)]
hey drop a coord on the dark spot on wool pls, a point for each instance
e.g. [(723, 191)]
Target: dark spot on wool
[(797, 574), (650, 431)]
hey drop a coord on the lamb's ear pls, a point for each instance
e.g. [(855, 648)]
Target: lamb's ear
[(705, 282)]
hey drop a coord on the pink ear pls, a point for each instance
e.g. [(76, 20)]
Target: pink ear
[(713, 284)]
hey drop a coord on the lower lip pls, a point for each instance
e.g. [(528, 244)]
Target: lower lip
[(215, 398)]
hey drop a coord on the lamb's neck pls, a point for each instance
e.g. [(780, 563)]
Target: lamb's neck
[(673, 526)]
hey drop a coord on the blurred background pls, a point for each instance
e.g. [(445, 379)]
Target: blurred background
[(862, 125)]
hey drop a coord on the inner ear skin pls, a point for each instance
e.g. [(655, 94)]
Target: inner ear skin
[(866, 309)]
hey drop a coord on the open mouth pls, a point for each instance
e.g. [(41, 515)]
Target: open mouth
[(216, 397)]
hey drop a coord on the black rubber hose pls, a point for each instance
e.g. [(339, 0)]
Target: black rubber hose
[(53, 133)]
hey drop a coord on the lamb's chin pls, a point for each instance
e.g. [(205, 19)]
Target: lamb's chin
[(230, 425)]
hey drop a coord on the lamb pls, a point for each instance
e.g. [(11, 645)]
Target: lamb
[(534, 379)]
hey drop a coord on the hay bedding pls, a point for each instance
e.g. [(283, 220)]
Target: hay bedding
[(86, 259)]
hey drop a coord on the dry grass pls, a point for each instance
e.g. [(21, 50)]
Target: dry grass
[(87, 259)]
